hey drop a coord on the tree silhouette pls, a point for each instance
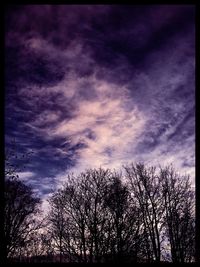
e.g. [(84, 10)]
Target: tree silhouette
[(93, 188), (145, 187), (58, 221), (118, 201), (20, 208), (179, 214), (100, 215), (84, 216)]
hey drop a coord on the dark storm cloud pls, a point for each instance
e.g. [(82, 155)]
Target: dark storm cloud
[(99, 85), (25, 66), (139, 29), (136, 32), (56, 24)]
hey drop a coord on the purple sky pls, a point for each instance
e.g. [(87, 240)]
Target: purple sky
[(90, 86)]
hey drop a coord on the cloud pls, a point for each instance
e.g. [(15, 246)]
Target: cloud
[(100, 86), (27, 175), (181, 157), (102, 120), (106, 125)]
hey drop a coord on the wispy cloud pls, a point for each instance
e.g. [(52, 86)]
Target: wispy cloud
[(100, 87), (25, 175)]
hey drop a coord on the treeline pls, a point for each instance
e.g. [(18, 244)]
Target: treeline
[(140, 214)]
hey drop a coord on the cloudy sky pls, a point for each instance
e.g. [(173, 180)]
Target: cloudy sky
[(90, 86)]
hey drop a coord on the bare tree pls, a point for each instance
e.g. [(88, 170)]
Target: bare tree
[(37, 246), (117, 201), (68, 222), (99, 216), (179, 214), (86, 232), (58, 221), (20, 207), (145, 187), (93, 187)]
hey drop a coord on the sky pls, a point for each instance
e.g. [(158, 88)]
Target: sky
[(99, 85)]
